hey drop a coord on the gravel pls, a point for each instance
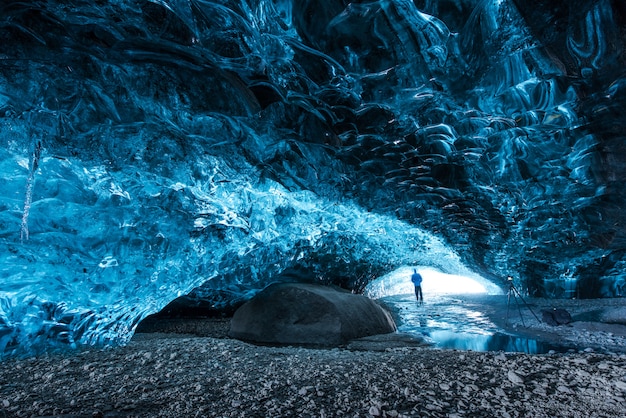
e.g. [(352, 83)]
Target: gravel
[(187, 375)]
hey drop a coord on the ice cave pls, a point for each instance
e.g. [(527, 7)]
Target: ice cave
[(155, 150)]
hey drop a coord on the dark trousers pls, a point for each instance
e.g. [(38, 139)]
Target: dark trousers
[(418, 293)]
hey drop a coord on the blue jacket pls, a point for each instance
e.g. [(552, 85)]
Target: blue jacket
[(416, 278)]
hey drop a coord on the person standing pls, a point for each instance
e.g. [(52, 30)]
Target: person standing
[(416, 278)]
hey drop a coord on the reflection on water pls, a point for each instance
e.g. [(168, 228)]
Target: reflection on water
[(448, 323), (491, 342)]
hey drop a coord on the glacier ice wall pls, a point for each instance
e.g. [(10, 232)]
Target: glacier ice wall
[(155, 148)]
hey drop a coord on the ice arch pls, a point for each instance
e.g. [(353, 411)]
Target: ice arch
[(436, 283), (151, 148)]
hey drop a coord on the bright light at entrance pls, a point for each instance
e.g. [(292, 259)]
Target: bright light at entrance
[(435, 283)]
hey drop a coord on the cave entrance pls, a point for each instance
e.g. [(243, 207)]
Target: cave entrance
[(454, 312), (435, 284)]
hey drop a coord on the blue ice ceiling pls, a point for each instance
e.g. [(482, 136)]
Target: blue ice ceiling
[(156, 148)]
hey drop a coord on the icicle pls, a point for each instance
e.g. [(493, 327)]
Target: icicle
[(34, 164)]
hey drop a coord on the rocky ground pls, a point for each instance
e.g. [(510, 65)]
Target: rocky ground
[(195, 370)]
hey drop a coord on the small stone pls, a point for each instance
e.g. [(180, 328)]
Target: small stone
[(515, 378), (472, 387), (621, 385), (374, 411), (5, 403)]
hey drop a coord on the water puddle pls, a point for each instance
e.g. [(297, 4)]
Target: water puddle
[(493, 342), (447, 323)]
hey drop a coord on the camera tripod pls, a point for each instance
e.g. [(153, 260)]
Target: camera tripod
[(516, 294)]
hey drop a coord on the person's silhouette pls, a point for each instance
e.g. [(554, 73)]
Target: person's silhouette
[(416, 278)]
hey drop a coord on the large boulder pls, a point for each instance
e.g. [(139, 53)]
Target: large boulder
[(307, 314)]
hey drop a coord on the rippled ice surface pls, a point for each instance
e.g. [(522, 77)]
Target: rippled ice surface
[(163, 148), (447, 322)]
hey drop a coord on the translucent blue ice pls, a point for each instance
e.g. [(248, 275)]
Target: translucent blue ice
[(152, 149)]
